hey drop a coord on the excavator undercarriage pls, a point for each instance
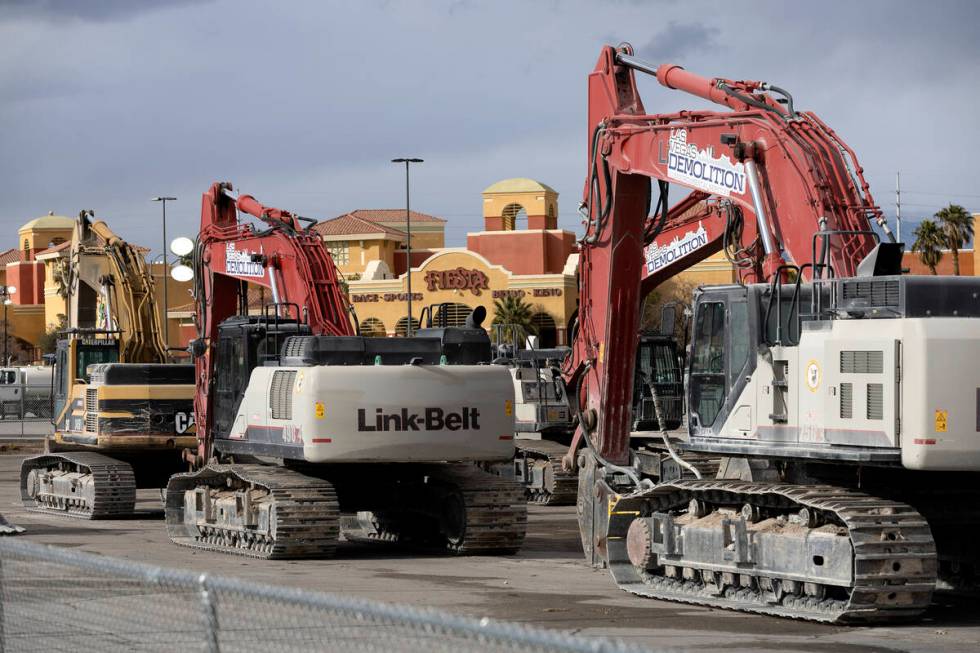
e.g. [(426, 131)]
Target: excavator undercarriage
[(267, 512), (820, 553)]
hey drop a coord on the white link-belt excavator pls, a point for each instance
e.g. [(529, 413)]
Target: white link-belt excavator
[(307, 430)]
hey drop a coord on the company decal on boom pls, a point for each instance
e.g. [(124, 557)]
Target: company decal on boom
[(240, 263), (660, 256), (701, 169)]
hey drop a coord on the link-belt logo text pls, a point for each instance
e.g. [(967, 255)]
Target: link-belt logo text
[(429, 419)]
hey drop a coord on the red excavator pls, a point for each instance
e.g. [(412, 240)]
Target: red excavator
[(305, 427), (832, 387)]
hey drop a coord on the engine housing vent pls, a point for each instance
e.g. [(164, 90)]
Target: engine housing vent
[(846, 401), (862, 362), (281, 394), (876, 401)]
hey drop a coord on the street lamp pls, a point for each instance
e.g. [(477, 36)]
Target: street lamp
[(5, 293), (166, 269), (408, 229)]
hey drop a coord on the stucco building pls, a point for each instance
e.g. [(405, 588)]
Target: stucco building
[(36, 269), (26, 319), (520, 252)]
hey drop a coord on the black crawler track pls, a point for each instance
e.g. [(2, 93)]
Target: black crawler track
[(894, 552), (460, 510), (114, 486), (563, 488), (306, 513)]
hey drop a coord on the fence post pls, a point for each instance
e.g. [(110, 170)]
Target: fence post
[(210, 616), (3, 598)]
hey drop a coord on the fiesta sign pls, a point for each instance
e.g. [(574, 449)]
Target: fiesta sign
[(458, 279)]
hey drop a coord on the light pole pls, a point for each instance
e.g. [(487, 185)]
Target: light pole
[(166, 269), (5, 293), (408, 229)]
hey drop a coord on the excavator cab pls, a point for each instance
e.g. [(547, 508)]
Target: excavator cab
[(244, 343), (656, 365), (722, 339), (72, 358)]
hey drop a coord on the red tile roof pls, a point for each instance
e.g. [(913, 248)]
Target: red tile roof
[(10, 256), (56, 248), (352, 224), (392, 215)]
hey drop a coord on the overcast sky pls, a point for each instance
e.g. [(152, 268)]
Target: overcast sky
[(104, 104)]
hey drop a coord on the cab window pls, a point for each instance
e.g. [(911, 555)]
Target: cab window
[(738, 332), (92, 355), (708, 382)]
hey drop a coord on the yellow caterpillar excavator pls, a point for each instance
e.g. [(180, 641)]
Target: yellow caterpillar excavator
[(122, 413)]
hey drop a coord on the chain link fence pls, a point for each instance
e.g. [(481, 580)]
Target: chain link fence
[(54, 599), (25, 411)]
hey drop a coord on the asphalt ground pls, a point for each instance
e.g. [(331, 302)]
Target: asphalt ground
[(545, 585), (24, 430)]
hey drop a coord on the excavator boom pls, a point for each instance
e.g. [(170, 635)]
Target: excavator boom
[(788, 192), (108, 274)]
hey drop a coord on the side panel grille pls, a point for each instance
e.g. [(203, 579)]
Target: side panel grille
[(846, 401), (862, 362), (281, 394), (876, 407), (879, 292), (91, 409)]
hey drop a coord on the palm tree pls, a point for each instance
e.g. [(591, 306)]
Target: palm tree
[(929, 243), (957, 228), (512, 309)]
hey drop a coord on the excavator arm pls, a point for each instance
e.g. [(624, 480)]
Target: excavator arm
[(103, 265), (279, 254), (784, 189)]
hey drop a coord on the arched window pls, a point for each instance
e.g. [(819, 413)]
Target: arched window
[(454, 315), (401, 326), (547, 330), (372, 327), (511, 214)]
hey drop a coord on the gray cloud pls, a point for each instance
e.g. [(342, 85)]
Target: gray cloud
[(305, 105), (678, 40), (85, 10)]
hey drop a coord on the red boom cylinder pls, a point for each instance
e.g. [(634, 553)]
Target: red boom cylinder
[(673, 76)]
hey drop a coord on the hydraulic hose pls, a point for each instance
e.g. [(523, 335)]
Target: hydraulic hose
[(659, 412), (751, 101), (627, 471), (789, 98)]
